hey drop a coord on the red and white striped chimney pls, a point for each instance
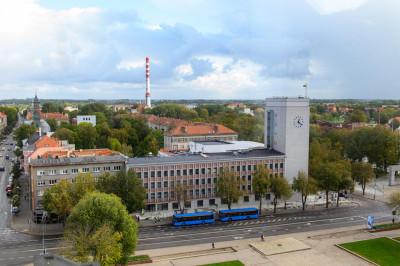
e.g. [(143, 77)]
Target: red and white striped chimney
[(148, 102)]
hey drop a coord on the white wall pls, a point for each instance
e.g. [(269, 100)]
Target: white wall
[(86, 118)]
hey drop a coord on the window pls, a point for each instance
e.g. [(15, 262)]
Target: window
[(208, 170), (249, 177), (203, 171), (191, 182), (246, 198), (197, 192), (52, 182), (40, 193), (39, 173), (158, 173), (165, 195), (139, 174), (146, 185), (85, 170), (209, 190), (63, 172), (52, 172), (276, 166), (158, 184), (203, 181), (165, 183), (96, 169), (190, 171), (178, 172), (238, 168), (171, 173), (271, 166), (200, 203), (172, 183), (209, 180), (249, 167), (146, 174), (117, 168), (158, 195), (152, 174), (211, 202), (172, 194), (249, 187), (215, 180), (243, 167), (107, 168), (197, 171), (165, 173), (268, 196), (153, 195), (197, 181), (281, 165), (41, 183), (153, 185), (184, 172), (203, 191)]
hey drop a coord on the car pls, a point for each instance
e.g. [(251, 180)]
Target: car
[(15, 209), (3, 149), (2, 168), (1, 155), (9, 193), (10, 179), (8, 188), (12, 143), (9, 149), (7, 156)]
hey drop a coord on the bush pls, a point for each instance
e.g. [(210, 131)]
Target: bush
[(139, 257), (384, 226)]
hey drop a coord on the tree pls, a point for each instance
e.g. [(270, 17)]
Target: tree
[(327, 176), (345, 182), (49, 107), (82, 185), (58, 197), (305, 185), (126, 150), (357, 116), (281, 189), (127, 186), (52, 123), (23, 132), (64, 134), (396, 124), (101, 209), (181, 194), (261, 182), (394, 201), (362, 173), (228, 186), (87, 136), (114, 144)]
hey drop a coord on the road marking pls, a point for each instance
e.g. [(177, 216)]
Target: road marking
[(246, 223)]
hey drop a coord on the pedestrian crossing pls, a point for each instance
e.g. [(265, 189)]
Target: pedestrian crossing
[(7, 231)]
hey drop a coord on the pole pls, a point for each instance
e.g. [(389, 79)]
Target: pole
[(44, 222)]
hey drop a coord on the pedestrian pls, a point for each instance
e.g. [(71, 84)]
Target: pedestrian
[(393, 220), (25, 197), (138, 219), (212, 245), (262, 238)]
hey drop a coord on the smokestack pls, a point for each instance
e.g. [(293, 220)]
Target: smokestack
[(148, 102)]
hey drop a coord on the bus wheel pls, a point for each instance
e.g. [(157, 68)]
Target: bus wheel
[(248, 218), (230, 220)]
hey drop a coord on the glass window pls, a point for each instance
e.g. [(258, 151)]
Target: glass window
[(184, 172), (75, 171), (85, 170), (165, 183), (52, 172), (117, 168), (158, 184), (203, 181), (153, 185), (197, 182), (64, 171), (152, 174)]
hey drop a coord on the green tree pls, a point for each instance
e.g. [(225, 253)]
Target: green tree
[(228, 186), (100, 117), (280, 188), (261, 182), (356, 116), (114, 144), (82, 185), (64, 134), (181, 193), (345, 182), (149, 144), (327, 176), (87, 136), (127, 150), (58, 197), (394, 201), (305, 185), (101, 209), (52, 123), (362, 173), (23, 132), (127, 186), (203, 113), (49, 107), (395, 124)]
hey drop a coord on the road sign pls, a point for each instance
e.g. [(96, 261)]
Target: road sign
[(370, 222)]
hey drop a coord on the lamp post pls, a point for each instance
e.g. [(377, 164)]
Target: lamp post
[(44, 215)]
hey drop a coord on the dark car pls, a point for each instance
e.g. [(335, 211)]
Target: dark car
[(2, 168)]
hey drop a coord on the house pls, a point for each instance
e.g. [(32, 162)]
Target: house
[(180, 137), (3, 121)]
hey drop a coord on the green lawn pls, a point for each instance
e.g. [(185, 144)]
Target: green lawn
[(383, 251), (397, 238), (226, 263)]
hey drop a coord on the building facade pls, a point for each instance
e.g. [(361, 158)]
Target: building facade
[(86, 118), (287, 126), (47, 172), (199, 173), (3, 121), (180, 137)]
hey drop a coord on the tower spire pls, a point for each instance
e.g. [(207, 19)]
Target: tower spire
[(148, 101)]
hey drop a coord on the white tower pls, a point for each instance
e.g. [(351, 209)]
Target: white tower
[(148, 102), (287, 122)]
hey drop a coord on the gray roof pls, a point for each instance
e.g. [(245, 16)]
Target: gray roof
[(211, 157), (78, 160)]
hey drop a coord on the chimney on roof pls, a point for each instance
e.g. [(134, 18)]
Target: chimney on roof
[(183, 129), (216, 129)]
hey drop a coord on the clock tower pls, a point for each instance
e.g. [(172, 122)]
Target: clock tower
[(287, 122)]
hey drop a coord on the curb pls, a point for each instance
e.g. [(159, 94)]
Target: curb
[(357, 255), (188, 255)]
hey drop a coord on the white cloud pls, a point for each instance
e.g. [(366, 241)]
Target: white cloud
[(155, 27), (326, 7)]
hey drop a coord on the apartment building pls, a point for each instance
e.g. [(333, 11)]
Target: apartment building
[(47, 172), (180, 137), (3, 121)]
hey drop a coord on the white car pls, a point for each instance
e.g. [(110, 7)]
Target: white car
[(1, 155), (3, 149)]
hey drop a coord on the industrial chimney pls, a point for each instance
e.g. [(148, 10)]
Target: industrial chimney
[(148, 102)]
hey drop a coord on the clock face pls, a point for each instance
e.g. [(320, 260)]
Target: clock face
[(298, 121)]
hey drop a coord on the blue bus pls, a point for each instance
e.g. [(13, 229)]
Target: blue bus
[(238, 214), (193, 218)]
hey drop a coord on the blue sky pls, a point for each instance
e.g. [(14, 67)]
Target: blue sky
[(204, 49)]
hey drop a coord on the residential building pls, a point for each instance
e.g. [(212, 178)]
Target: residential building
[(234, 105), (160, 123), (180, 137), (49, 171), (86, 118)]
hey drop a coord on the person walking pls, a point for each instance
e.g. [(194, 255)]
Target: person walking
[(262, 238), (212, 245)]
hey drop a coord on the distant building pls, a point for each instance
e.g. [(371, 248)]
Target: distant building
[(119, 107), (180, 137), (331, 109), (234, 105), (70, 109), (86, 118), (340, 125), (3, 121)]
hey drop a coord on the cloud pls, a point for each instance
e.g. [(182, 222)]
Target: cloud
[(326, 7)]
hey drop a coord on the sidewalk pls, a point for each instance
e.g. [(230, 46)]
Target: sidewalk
[(321, 250)]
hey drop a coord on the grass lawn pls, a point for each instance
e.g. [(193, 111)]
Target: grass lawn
[(383, 251), (397, 238), (226, 263)]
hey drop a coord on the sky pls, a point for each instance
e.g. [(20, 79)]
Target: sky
[(199, 49)]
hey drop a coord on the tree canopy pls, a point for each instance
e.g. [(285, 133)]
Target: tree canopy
[(228, 186)]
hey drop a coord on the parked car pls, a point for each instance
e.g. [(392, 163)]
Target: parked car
[(2, 168), (15, 209), (3, 148), (1, 155), (9, 192), (7, 156), (8, 188), (9, 149)]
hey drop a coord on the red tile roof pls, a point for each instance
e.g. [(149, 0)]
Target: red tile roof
[(56, 116), (198, 128), (78, 153), (47, 141)]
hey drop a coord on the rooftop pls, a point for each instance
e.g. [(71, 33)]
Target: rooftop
[(78, 160), (199, 128), (212, 157)]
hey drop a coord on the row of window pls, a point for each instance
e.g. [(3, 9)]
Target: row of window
[(204, 171), (184, 140), (191, 192), (76, 170)]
